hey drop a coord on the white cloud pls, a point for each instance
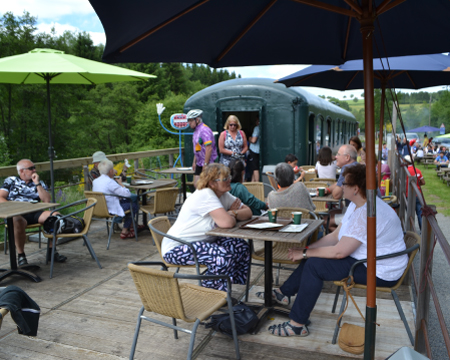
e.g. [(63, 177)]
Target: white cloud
[(97, 37), (47, 9)]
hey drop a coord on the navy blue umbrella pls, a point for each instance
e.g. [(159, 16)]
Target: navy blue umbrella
[(409, 72), (424, 129)]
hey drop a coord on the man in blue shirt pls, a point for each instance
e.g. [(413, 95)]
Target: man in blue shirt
[(441, 160), (253, 159)]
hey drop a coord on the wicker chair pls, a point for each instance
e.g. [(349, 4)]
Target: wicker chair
[(273, 181), (101, 213), (321, 207), (309, 176), (31, 226), (163, 201), (315, 184), (329, 181), (412, 242), (307, 167), (161, 293), (88, 211), (257, 189), (280, 249)]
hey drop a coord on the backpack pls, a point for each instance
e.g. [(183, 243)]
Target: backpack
[(244, 317), (69, 225)]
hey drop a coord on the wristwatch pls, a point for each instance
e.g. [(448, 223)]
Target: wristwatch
[(304, 254), (38, 184)]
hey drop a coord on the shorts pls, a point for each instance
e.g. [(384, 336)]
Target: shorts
[(253, 161), (32, 218), (198, 170)]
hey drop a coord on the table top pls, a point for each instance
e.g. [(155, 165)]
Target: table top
[(9, 209), (178, 170), (326, 198), (268, 235), (154, 185)]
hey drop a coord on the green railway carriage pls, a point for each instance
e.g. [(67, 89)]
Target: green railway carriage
[(292, 120)]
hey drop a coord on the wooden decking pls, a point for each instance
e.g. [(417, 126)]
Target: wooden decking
[(88, 313)]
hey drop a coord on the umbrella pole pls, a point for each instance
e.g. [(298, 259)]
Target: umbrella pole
[(51, 153), (380, 138), (367, 29)]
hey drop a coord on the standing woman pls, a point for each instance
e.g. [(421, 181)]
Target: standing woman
[(232, 141), (210, 206)]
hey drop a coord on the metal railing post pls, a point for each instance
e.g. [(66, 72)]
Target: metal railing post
[(87, 183), (411, 210)]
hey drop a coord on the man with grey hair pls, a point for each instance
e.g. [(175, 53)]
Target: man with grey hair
[(346, 156), (27, 188), (117, 206), (289, 194)]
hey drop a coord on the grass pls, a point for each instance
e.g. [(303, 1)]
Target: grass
[(435, 191)]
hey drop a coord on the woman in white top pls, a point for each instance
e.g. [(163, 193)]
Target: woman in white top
[(331, 257), (326, 166), (210, 206)]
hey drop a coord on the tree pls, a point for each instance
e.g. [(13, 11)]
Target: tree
[(355, 99)]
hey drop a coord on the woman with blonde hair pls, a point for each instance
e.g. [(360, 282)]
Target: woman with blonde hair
[(210, 206), (232, 141)]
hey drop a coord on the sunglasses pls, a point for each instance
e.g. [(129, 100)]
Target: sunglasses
[(232, 124), (228, 178), (30, 168)]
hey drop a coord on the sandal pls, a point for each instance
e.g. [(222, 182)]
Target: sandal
[(277, 296), (286, 329), (57, 257), (22, 260), (128, 235)]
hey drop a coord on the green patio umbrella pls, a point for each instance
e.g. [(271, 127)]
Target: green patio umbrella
[(48, 66)]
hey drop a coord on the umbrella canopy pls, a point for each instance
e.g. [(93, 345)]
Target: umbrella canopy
[(45, 66), (33, 67), (265, 32), (425, 129), (409, 72)]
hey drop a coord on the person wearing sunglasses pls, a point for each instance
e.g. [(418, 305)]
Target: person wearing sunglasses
[(232, 141), (27, 187), (210, 206)]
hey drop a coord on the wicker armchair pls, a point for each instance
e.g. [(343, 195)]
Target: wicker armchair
[(315, 184), (163, 201), (257, 189), (280, 249), (88, 211), (101, 213), (161, 293), (412, 242), (309, 176), (329, 181), (273, 181)]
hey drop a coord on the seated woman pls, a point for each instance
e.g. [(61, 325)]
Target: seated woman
[(117, 206), (331, 257), (289, 194), (237, 169), (326, 166), (211, 205)]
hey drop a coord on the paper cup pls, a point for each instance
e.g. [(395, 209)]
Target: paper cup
[(272, 215), (129, 179), (321, 191), (297, 217)]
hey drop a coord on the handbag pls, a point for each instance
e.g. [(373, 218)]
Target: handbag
[(351, 337), (69, 225), (244, 318)]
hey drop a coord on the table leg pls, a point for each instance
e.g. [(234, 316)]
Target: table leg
[(183, 186), (144, 202), (12, 259), (268, 273)]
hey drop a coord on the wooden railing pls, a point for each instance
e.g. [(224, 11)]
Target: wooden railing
[(431, 236)]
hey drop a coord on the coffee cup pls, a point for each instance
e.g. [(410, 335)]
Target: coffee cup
[(272, 215), (129, 179), (297, 217), (321, 191)]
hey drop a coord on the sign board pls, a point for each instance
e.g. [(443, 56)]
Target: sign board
[(179, 121)]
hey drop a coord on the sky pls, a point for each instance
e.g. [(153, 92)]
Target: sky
[(79, 16)]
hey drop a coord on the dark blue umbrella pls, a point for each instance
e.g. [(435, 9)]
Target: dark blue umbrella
[(424, 129), (408, 72)]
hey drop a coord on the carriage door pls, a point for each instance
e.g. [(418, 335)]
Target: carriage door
[(313, 135)]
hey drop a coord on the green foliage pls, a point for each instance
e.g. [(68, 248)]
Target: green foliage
[(114, 118)]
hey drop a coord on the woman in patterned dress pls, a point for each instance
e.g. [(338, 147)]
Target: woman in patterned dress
[(210, 206), (232, 141)]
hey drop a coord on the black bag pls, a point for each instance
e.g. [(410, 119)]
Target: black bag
[(244, 317), (69, 225)]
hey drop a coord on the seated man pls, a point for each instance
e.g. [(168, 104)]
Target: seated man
[(27, 187), (96, 158), (441, 160), (106, 184), (346, 157)]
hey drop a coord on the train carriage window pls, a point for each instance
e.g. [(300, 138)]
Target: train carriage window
[(327, 139), (335, 132), (318, 130), (344, 132)]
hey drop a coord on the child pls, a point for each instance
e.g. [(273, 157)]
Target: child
[(292, 160)]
